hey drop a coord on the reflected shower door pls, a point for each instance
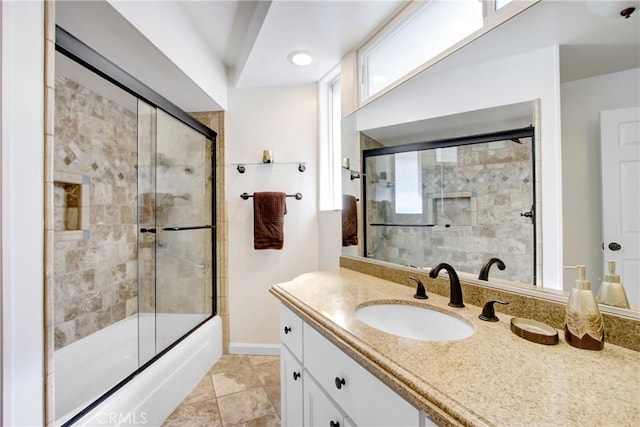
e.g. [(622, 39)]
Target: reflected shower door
[(147, 118), (184, 224)]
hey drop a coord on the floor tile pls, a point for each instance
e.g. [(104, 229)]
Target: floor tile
[(229, 362), (199, 414), (269, 372), (244, 406), (256, 360), (202, 391), (243, 377), (266, 421), (239, 391)]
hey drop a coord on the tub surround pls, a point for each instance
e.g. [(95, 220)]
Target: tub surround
[(490, 378), (619, 330)]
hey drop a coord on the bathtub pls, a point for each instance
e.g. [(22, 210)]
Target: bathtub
[(86, 369)]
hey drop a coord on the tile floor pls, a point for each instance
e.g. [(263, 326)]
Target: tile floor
[(239, 391)]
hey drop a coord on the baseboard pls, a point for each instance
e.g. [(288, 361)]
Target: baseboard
[(258, 349)]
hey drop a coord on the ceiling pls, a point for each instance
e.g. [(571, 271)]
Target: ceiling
[(254, 38)]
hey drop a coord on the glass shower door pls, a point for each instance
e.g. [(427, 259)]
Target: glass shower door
[(184, 224)]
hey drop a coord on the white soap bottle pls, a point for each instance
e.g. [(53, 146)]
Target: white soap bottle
[(584, 327), (611, 291)]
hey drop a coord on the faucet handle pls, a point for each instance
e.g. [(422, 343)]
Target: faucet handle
[(421, 293), (488, 312)]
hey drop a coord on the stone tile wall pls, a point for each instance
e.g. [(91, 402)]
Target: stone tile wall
[(216, 121), (95, 278), (481, 196)]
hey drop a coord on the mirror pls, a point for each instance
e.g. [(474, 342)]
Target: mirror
[(562, 63)]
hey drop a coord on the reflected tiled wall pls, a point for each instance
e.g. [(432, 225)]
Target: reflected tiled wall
[(95, 277), (481, 196)]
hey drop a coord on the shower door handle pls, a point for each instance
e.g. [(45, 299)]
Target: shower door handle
[(195, 227), (148, 230)]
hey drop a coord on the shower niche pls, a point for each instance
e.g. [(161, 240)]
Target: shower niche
[(71, 206), (134, 239)]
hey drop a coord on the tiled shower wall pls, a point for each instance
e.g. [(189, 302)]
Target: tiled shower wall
[(216, 121), (483, 194), (95, 276)]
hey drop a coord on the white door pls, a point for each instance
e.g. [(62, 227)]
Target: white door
[(620, 145)]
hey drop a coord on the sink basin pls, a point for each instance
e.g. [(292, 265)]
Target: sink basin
[(418, 323)]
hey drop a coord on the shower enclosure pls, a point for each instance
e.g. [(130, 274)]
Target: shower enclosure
[(134, 243), (462, 201)]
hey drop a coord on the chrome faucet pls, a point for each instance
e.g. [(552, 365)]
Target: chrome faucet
[(455, 292), (484, 271)]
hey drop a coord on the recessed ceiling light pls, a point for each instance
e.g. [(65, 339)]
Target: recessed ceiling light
[(299, 57)]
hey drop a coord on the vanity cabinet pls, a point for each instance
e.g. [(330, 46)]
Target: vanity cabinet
[(291, 378), (322, 386)]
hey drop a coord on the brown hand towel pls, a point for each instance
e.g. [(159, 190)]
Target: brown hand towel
[(349, 220), (269, 209)]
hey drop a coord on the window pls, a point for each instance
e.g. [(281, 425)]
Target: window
[(498, 4), (330, 114), (423, 33), (408, 197)]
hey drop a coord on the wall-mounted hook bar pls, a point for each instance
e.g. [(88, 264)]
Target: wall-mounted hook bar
[(245, 196)]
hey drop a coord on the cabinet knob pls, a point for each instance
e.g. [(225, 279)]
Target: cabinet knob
[(287, 329), (339, 382), (296, 375), (334, 424)]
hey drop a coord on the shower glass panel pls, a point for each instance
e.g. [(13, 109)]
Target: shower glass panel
[(134, 237), (467, 205), (183, 293), (95, 240), (147, 208)]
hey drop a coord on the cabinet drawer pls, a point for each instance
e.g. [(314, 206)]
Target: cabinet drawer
[(291, 331), (367, 400)]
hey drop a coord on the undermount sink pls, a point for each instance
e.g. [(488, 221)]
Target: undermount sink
[(418, 323)]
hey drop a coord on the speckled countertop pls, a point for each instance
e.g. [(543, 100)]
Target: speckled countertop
[(491, 378)]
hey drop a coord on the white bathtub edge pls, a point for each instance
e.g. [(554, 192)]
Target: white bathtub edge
[(155, 393), (258, 349)]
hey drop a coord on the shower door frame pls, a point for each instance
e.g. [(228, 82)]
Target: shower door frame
[(84, 55)]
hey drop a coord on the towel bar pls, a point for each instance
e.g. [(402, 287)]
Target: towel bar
[(298, 196)]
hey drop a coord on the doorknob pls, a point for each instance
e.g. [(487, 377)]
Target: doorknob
[(614, 246)]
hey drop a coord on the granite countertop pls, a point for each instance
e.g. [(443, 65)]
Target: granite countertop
[(491, 378)]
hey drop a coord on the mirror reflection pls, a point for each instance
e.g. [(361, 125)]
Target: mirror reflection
[(464, 200), (572, 79)]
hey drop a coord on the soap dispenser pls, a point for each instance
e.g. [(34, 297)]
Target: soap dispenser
[(611, 291), (583, 322)]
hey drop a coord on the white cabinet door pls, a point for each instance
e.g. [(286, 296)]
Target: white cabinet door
[(291, 389), (319, 410)]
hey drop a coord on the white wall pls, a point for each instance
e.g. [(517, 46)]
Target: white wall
[(22, 212), (180, 43), (519, 78), (582, 101), (283, 120)]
